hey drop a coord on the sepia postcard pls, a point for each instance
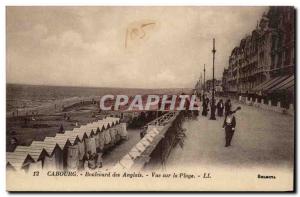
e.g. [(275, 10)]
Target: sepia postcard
[(152, 98)]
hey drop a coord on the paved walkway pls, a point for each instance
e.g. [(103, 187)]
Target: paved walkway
[(262, 138)]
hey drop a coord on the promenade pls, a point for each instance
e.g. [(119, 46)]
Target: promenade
[(262, 139)]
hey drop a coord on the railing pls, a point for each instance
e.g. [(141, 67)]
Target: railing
[(267, 105), (155, 147)]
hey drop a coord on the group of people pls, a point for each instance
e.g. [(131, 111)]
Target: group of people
[(229, 120), (93, 160), (220, 106)]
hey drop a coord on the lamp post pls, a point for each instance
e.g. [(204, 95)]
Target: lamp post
[(213, 108), (204, 80), (200, 87), (203, 87)]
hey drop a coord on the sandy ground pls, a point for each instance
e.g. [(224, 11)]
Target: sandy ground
[(262, 139)]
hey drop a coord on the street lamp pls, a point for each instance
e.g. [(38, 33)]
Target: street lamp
[(204, 80), (203, 86), (213, 108)]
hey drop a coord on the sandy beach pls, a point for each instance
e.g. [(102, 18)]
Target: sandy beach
[(25, 129)]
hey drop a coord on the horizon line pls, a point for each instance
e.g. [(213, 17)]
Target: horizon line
[(95, 86)]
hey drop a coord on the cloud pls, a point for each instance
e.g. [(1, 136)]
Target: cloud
[(86, 45), (66, 40)]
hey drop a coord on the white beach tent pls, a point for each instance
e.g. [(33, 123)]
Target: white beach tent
[(36, 151), (54, 157), (122, 131), (18, 161)]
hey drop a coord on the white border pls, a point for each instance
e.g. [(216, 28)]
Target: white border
[(105, 2)]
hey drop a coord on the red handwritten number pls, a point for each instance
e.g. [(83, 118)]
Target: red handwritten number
[(36, 173)]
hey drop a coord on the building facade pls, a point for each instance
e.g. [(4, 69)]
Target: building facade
[(268, 52), (218, 85)]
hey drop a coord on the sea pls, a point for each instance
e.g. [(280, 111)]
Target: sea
[(19, 96)]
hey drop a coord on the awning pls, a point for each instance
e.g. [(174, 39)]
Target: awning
[(272, 83), (287, 84), (258, 88)]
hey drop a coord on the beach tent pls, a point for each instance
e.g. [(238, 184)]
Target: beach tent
[(81, 135), (53, 159), (118, 136), (36, 151), (122, 130), (90, 145), (106, 124), (107, 139), (69, 132), (21, 148), (112, 133), (101, 140), (97, 139), (74, 139), (101, 126), (36, 166), (63, 143), (18, 161), (73, 157), (81, 150), (89, 129), (49, 163)]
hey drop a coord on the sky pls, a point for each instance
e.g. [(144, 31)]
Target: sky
[(133, 47)]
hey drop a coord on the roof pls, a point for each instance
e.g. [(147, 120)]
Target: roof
[(34, 151), (16, 160)]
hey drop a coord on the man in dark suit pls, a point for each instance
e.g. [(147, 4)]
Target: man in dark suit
[(229, 126)]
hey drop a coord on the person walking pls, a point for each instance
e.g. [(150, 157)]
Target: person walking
[(213, 106), (205, 104), (229, 126), (220, 108)]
